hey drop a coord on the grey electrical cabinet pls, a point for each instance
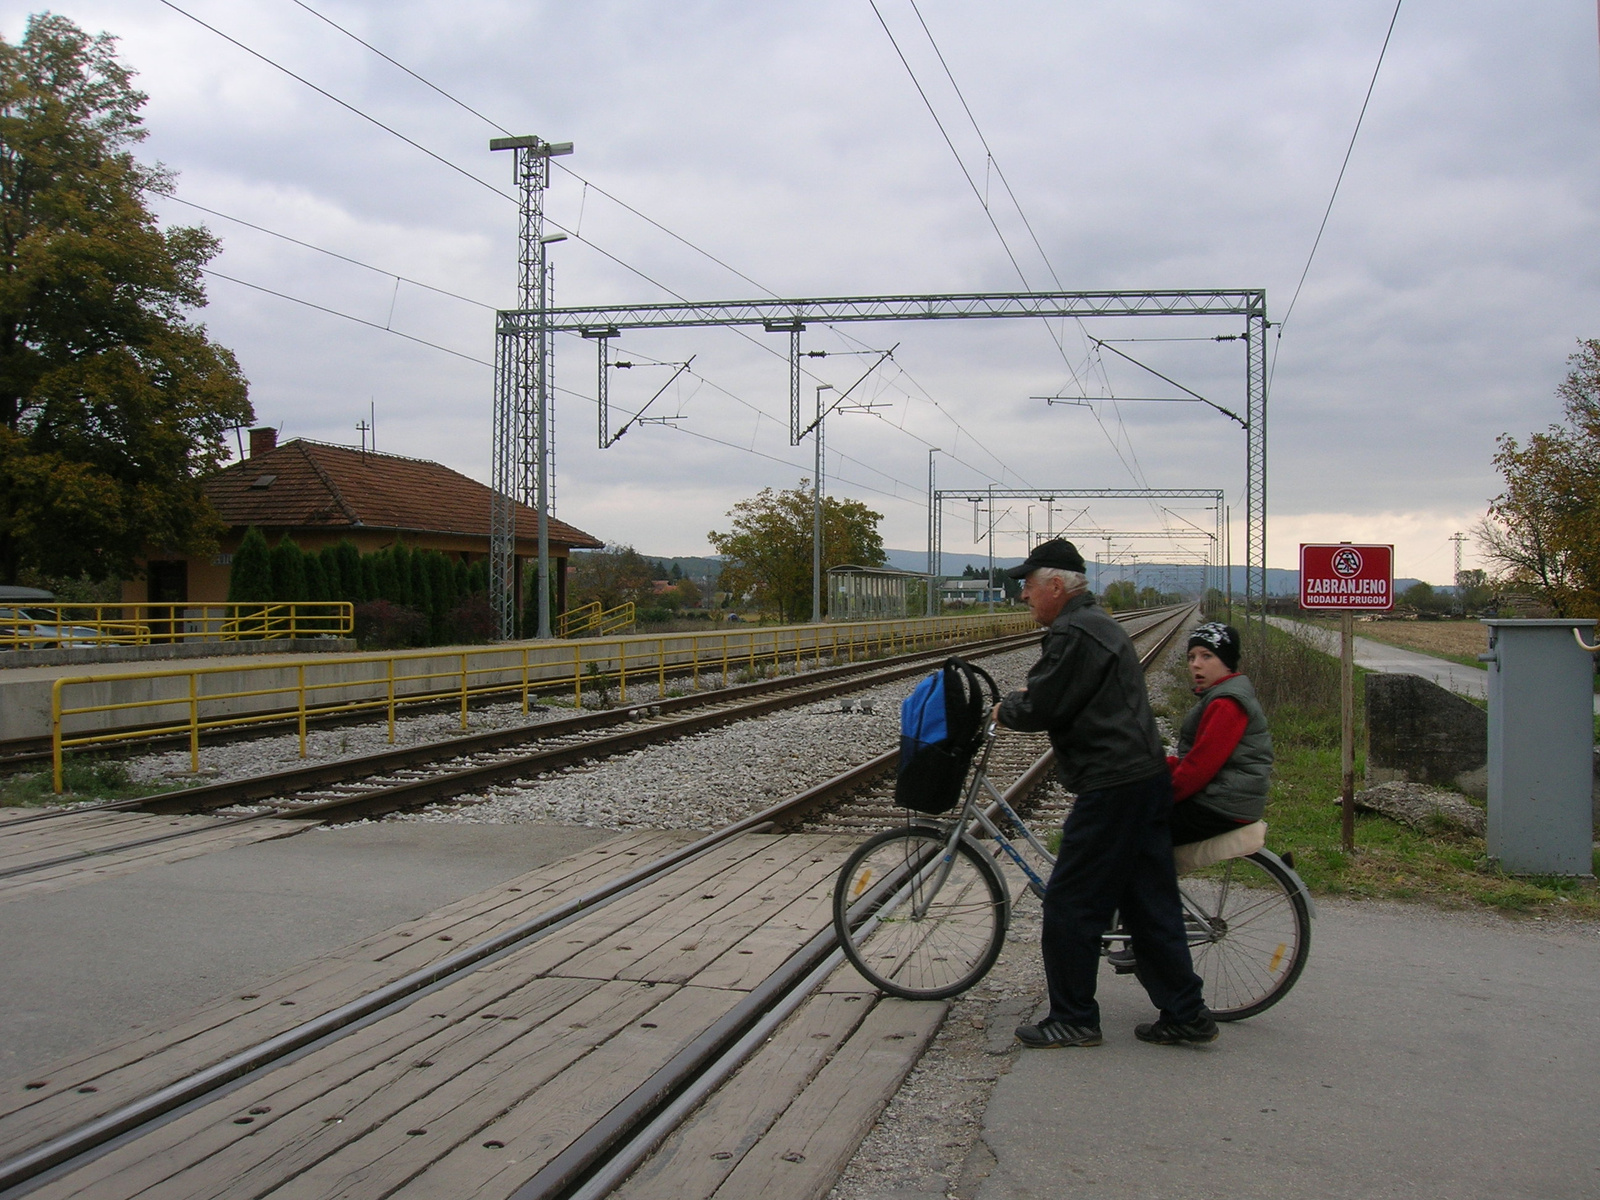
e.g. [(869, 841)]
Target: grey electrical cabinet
[(1541, 746)]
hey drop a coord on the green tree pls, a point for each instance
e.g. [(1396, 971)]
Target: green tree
[(1543, 531), (612, 576), (1119, 595), (288, 571), (316, 580), (401, 558), (113, 404), (250, 577), (768, 550)]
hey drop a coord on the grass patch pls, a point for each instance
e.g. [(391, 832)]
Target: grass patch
[(87, 778), (1299, 687)]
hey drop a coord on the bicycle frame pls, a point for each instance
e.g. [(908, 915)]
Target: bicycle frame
[(971, 815)]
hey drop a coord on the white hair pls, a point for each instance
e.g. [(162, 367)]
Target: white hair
[(1073, 581)]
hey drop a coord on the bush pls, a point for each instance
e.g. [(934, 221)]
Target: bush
[(384, 625), (472, 620)]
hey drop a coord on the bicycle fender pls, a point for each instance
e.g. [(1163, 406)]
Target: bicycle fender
[(1311, 905)]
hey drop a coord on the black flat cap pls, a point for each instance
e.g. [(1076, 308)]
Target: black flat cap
[(1057, 552)]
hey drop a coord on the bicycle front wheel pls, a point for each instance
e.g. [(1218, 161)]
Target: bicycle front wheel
[(1249, 934), (916, 921)]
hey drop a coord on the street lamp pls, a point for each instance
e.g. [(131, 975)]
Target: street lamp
[(816, 513)]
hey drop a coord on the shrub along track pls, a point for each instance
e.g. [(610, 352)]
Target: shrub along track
[(180, 1115)]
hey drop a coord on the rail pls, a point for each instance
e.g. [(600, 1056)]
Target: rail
[(105, 709), (592, 618), (142, 623)]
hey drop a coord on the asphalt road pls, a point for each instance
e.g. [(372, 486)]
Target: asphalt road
[(1423, 1054)]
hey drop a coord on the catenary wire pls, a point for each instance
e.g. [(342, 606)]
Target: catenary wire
[(590, 184), (1328, 211), (1135, 471), (330, 253), (346, 316), (460, 170)]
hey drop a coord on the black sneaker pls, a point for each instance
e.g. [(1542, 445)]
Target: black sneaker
[(1048, 1035), (1165, 1032)]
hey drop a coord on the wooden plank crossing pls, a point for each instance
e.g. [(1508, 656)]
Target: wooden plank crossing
[(40, 1105), (90, 842), (470, 1089)]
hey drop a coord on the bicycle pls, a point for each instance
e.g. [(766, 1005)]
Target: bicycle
[(922, 910)]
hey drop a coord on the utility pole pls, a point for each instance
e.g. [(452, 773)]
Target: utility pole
[(933, 539), (816, 512), (1459, 604), (522, 449), (990, 582)]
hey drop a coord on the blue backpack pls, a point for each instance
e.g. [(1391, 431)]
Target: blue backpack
[(941, 727)]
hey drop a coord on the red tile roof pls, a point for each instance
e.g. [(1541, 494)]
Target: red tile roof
[(308, 485)]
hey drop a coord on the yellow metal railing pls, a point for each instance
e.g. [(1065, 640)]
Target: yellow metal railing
[(103, 709), (591, 618), (55, 625)]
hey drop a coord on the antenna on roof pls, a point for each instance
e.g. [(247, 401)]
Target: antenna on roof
[(372, 411), (363, 427)]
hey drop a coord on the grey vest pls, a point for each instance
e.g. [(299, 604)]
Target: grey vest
[(1239, 789)]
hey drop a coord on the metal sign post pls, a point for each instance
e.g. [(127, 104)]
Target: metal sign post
[(1347, 578)]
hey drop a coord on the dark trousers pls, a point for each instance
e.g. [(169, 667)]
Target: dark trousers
[(1116, 854), (1191, 821)]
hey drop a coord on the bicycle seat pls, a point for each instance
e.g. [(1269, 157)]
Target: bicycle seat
[(1236, 843)]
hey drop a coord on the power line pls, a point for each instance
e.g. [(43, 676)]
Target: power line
[(401, 66), (460, 170), (333, 312), (1348, 150), (1135, 471), (492, 123), (330, 253), (439, 158)]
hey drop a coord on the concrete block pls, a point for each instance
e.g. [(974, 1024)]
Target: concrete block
[(1417, 732)]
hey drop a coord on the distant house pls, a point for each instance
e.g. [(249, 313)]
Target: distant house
[(320, 493)]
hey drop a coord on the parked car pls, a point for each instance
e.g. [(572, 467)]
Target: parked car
[(25, 628)]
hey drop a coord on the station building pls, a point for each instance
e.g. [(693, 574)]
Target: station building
[(319, 493)]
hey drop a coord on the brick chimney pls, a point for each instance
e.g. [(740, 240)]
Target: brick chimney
[(263, 440)]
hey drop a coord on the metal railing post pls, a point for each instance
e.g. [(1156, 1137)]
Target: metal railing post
[(524, 681), (300, 690), (577, 677), (622, 672), (390, 662), (661, 662), (464, 690), (55, 733), (194, 724)]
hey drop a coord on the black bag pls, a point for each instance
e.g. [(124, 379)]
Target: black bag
[(942, 725)]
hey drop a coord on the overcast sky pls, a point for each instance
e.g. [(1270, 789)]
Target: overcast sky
[(1150, 145)]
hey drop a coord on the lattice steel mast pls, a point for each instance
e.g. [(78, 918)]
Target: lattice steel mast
[(522, 450)]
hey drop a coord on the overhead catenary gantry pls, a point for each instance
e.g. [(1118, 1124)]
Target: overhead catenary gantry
[(536, 322), (1215, 501)]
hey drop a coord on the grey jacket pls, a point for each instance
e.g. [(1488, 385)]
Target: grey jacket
[(1239, 788), (1087, 691)]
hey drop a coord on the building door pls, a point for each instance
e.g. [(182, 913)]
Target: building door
[(167, 583)]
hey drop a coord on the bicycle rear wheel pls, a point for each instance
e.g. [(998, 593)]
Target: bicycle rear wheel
[(1255, 938), (915, 923)]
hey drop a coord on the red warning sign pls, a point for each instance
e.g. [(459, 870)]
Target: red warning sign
[(1344, 575)]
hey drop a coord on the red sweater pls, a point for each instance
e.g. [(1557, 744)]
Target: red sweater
[(1220, 729)]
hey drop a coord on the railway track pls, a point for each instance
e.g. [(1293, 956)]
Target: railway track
[(391, 781), (113, 1126)]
